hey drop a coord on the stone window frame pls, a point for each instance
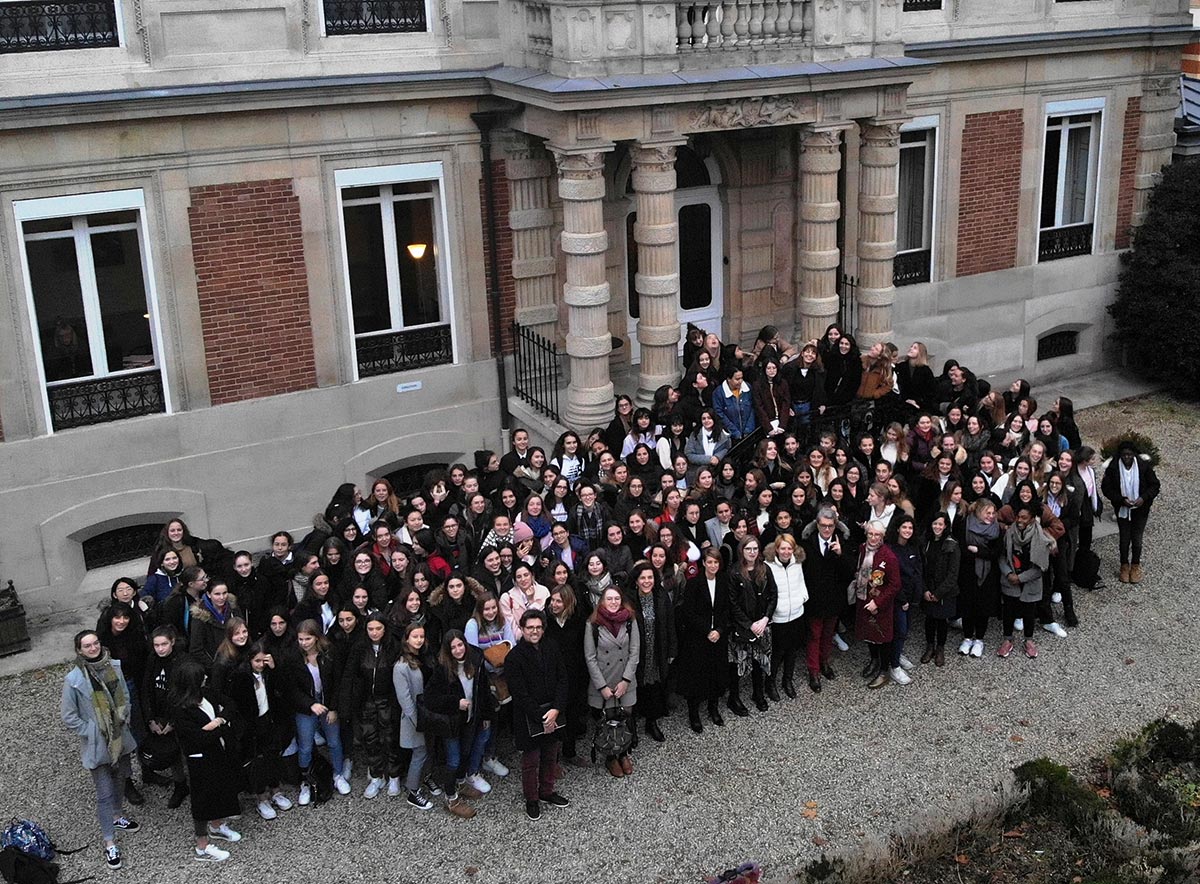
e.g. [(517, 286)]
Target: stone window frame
[(75, 206), (432, 172), (929, 123), (1095, 108)]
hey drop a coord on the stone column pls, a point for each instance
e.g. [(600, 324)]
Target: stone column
[(878, 159), (820, 160), (1156, 138), (657, 282), (585, 292), (531, 220)]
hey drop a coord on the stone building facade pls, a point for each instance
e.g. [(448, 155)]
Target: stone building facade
[(244, 248)]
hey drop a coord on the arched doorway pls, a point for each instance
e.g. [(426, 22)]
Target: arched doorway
[(698, 247)]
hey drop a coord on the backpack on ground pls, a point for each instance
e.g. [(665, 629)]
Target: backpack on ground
[(27, 855), (1087, 569), (320, 779)]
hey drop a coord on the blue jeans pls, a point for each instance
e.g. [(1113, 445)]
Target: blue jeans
[(306, 729), (899, 634), (469, 745)]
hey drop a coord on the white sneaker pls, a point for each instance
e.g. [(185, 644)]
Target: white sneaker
[(266, 811), (281, 801), (305, 798), (957, 623), (1019, 624), (478, 782), (899, 676), (339, 783), (211, 854), (393, 787), (347, 768), (977, 648), (840, 642), (965, 647), (492, 765), (906, 664), (374, 786), (224, 833), (1056, 598), (1055, 629)]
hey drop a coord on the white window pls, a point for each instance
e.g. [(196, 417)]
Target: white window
[(1069, 176), (396, 273), (914, 213), (89, 289)]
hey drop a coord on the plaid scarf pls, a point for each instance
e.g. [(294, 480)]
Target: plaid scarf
[(109, 701)]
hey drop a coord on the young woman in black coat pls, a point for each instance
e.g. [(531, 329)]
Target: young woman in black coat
[(262, 714), (656, 623), (310, 682), (566, 622), (368, 697), (702, 673), (206, 740), (472, 711)]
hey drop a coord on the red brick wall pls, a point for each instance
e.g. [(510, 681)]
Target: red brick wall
[(989, 192), (1129, 144), (504, 246), (1191, 59), (249, 255)]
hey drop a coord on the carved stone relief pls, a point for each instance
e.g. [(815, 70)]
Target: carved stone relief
[(749, 112)]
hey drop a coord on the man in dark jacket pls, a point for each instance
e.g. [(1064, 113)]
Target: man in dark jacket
[(827, 571), (1130, 485), (537, 679)]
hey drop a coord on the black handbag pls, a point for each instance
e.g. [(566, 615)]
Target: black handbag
[(435, 724), (612, 737)]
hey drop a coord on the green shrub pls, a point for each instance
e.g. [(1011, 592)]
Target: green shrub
[(1146, 445), (1157, 308)]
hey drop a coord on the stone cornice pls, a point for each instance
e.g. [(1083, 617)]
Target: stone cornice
[(1046, 43)]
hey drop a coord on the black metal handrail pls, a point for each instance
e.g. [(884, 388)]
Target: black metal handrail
[(374, 17), (847, 290), (404, 350), (911, 268), (101, 400), (536, 370), (44, 27), (1065, 242)]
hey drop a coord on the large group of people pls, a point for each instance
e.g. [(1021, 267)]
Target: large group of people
[(780, 501)]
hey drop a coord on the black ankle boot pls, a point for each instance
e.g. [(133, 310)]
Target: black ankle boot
[(772, 691), (654, 732), (714, 713), (179, 793), (756, 679), (735, 700), (694, 721), (132, 795), (633, 729)]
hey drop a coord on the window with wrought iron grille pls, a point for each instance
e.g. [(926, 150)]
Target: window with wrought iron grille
[(40, 26), (396, 271), (343, 17), (914, 214), (1056, 344), (1069, 178), (89, 287)]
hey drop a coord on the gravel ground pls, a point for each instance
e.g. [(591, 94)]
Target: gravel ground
[(872, 761)]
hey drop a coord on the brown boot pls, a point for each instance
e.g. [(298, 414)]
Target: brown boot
[(1135, 573), (459, 808), (939, 657), (614, 768), (928, 655), (626, 765), (1124, 575)]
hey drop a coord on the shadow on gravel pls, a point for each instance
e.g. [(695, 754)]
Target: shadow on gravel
[(1135, 820)]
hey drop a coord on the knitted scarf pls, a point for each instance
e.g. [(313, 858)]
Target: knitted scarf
[(613, 621), (108, 700), (980, 535), (1039, 551)]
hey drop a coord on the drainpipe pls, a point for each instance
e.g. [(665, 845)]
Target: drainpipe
[(486, 121)]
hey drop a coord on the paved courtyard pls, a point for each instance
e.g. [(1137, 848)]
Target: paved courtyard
[(870, 760)]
